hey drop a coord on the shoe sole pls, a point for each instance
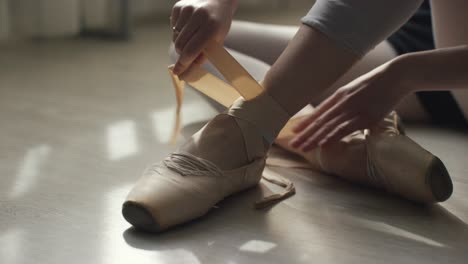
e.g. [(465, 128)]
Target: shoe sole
[(139, 217), (439, 180)]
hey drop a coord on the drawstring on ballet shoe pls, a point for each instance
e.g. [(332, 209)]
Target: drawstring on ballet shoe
[(185, 163), (289, 190), (377, 177)]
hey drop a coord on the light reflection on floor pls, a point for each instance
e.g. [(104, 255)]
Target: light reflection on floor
[(393, 230), (116, 250), (122, 140), (163, 123), (257, 246), (11, 242), (175, 256), (29, 170), (163, 120)]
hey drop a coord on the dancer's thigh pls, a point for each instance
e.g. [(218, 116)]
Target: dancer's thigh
[(262, 41)]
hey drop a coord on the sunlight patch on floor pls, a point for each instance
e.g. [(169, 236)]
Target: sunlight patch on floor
[(10, 242), (257, 246), (122, 140), (29, 170), (164, 119)]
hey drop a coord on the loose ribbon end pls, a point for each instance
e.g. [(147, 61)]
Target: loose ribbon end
[(179, 92)]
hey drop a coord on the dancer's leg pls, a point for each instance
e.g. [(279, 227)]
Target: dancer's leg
[(292, 69), (450, 27), (265, 42), (244, 39)]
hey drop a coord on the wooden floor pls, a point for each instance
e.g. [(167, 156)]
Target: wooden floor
[(80, 119)]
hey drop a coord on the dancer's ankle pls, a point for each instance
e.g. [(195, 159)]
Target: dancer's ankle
[(264, 113)]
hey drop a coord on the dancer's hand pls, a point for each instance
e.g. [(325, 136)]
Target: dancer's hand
[(358, 105), (195, 23)]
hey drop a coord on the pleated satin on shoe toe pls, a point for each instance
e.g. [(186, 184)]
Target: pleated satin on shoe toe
[(163, 198), (405, 168)]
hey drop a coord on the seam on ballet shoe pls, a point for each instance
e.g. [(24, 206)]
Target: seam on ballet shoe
[(246, 147), (373, 172)]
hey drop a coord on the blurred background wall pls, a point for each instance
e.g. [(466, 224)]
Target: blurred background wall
[(57, 18)]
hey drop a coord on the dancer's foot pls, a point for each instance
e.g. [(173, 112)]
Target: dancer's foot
[(222, 143), (404, 167), (382, 157), (224, 157)]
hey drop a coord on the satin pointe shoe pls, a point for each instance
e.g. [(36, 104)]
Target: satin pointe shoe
[(225, 157), (382, 157)]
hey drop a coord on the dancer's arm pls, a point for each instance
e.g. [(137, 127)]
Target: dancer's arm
[(439, 69), (335, 34), (366, 100), (195, 23)]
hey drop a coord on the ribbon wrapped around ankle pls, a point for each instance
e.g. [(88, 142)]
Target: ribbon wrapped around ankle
[(261, 116)]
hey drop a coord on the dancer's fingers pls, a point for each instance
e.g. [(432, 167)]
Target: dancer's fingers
[(175, 15), (322, 108), (308, 131), (200, 59), (187, 33), (315, 125), (341, 131), (315, 138), (184, 16), (191, 51)]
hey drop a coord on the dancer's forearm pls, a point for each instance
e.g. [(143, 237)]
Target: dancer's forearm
[(309, 65), (439, 69)]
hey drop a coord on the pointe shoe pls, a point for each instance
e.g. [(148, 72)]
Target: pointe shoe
[(403, 167), (187, 184), (184, 187), (225, 157), (382, 157)]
